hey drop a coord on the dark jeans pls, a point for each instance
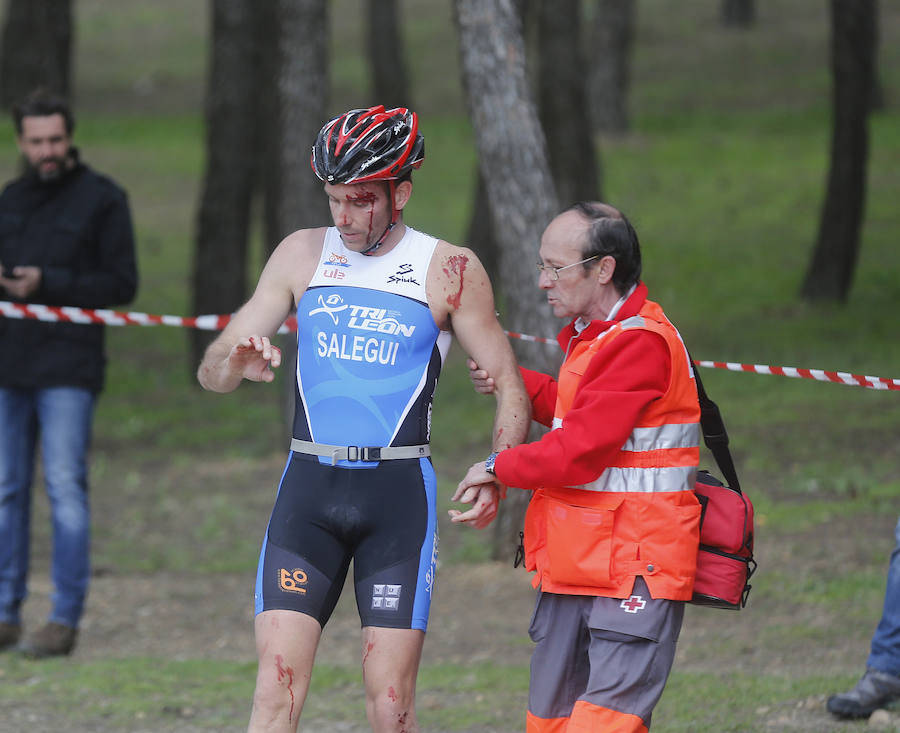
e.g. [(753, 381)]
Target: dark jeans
[(58, 419), (885, 653)]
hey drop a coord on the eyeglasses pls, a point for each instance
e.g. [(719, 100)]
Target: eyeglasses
[(553, 272)]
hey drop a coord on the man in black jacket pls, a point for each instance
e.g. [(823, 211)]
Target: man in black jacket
[(66, 239)]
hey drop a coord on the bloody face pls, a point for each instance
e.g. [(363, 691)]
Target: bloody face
[(361, 212)]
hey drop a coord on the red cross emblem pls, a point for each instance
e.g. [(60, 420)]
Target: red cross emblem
[(633, 604)]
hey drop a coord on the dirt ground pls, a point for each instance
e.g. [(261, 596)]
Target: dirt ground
[(481, 612)]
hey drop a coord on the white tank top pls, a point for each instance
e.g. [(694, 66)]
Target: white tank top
[(369, 352)]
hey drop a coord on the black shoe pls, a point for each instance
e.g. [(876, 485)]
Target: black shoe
[(51, 640), (9, 635), (873, 691)]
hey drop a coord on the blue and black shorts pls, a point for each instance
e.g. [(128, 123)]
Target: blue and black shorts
[(381, 517)]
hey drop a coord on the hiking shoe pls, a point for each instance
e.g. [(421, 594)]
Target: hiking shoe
[(873, 691), (9, 634), (51, 640)]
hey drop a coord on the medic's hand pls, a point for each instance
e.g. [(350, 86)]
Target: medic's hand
[(481, 380)]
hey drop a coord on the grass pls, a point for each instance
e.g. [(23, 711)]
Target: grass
[(723, 176), (139, 690), (144, 689), (703, 702), (124, 692)]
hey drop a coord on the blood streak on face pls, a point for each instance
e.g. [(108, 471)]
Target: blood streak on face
[(456, 265), (286, 672), (365, 197)]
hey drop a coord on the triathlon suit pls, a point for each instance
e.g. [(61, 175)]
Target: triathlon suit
[(368, 360)]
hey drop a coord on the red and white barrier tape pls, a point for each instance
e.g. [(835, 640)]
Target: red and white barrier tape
[(69, 314), (218, 322), (526, 337), (857, 380)]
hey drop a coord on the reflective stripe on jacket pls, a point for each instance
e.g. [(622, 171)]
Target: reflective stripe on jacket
[(640, 515)]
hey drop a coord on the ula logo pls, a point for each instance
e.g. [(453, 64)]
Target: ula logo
[(292, 581)]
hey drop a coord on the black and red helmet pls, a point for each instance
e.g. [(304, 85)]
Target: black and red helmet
[(368, 145)]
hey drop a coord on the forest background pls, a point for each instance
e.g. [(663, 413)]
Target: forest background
[(723, 174)]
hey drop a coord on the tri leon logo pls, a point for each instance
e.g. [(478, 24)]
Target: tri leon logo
[(292, 581), (332, 305), (362, 317)]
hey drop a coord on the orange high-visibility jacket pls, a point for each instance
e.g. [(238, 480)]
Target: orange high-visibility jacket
[(640, 515)]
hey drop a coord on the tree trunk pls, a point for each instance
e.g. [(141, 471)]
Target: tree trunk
[(36, 49), (232, 133), (387, 60), (738, 13), (831, 270), (513, 160), (611, 35), (480, 236), (563, 104), (879, 102), (298, 76), (299, 91)]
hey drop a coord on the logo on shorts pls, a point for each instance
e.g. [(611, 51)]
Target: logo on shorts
[(386, 597), (633, 604), (292, 581)]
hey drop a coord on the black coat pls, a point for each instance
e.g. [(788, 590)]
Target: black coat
[(78, 230)]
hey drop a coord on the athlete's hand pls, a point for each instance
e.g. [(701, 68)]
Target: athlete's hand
[(254, 358), (485, 498), (481, 380), (482, 490)]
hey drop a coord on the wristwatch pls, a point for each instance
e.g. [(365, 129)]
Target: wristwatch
[(489, 463)]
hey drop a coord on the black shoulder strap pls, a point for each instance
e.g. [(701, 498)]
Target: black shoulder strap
[(714, 434)]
